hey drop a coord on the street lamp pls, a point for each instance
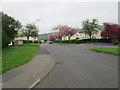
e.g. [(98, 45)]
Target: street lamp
[(38, 30)]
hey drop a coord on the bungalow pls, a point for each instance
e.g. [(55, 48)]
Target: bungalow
[(19, 40), (81, 35)]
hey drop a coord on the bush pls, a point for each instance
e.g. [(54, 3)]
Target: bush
[(30, 41), (84, 41), (77, 41)]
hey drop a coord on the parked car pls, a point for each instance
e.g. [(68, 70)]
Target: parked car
[(50, 42)]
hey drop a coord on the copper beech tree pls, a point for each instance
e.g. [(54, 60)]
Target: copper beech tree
[(111, 31)]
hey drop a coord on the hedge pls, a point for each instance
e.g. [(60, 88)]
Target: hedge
[(84, 41), (30, 41)]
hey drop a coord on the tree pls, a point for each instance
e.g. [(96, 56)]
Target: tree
[(58, 33), (63, 30), (90, 27), (68, 31), (30, 30), (5, 39), (54, 36), (10, 27), (57, 28), (111, 31), (51, 37)]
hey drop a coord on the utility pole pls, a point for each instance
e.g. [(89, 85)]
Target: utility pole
[(38, 30)]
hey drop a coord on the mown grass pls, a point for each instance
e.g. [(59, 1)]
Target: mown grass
[(115, 51), (17, 55)]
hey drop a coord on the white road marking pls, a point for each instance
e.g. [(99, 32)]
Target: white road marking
[(35, 83)]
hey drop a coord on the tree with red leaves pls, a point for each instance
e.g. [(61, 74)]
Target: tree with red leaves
[(112, 31), (51, 37), (63, 31), (59, 34), (54, 36), (67, 31)]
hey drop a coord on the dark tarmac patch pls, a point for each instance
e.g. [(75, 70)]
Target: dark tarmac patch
[(61, 62)]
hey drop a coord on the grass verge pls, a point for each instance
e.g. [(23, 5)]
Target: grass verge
[(17, 55), (115, 51)]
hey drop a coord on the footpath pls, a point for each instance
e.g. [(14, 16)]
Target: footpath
[(31, 73)]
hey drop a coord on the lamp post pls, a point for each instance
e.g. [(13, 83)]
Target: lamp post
[(38, 30)]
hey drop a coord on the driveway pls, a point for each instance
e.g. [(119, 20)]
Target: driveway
[(78, 67)]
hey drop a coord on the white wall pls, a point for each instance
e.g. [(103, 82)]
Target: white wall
[(83, 36)]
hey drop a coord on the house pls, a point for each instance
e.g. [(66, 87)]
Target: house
[(25, 38), (81, 35), (17, 41)]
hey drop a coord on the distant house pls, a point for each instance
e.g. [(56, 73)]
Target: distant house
[(81, 35), (25, 38), (17, 41)]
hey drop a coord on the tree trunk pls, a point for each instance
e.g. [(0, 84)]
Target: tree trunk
[(114, 40), (28, 40), (91, 39), (60, 38), (69, 38)]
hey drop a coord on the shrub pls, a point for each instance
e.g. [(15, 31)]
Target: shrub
[(84, 41), (30, 41)]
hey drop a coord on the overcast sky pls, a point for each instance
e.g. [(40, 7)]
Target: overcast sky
[(68, 13)]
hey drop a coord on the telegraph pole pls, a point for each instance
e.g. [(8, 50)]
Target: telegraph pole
[(38, 30)]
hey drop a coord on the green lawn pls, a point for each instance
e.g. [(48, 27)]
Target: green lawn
[(17, 55), (115, 51)]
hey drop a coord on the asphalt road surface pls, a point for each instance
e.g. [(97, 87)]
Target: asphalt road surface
[(78, 67)]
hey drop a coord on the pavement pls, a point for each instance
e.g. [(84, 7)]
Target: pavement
[(78, 67), (31, 73)]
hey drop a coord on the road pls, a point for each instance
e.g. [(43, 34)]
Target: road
[(78, 67)]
